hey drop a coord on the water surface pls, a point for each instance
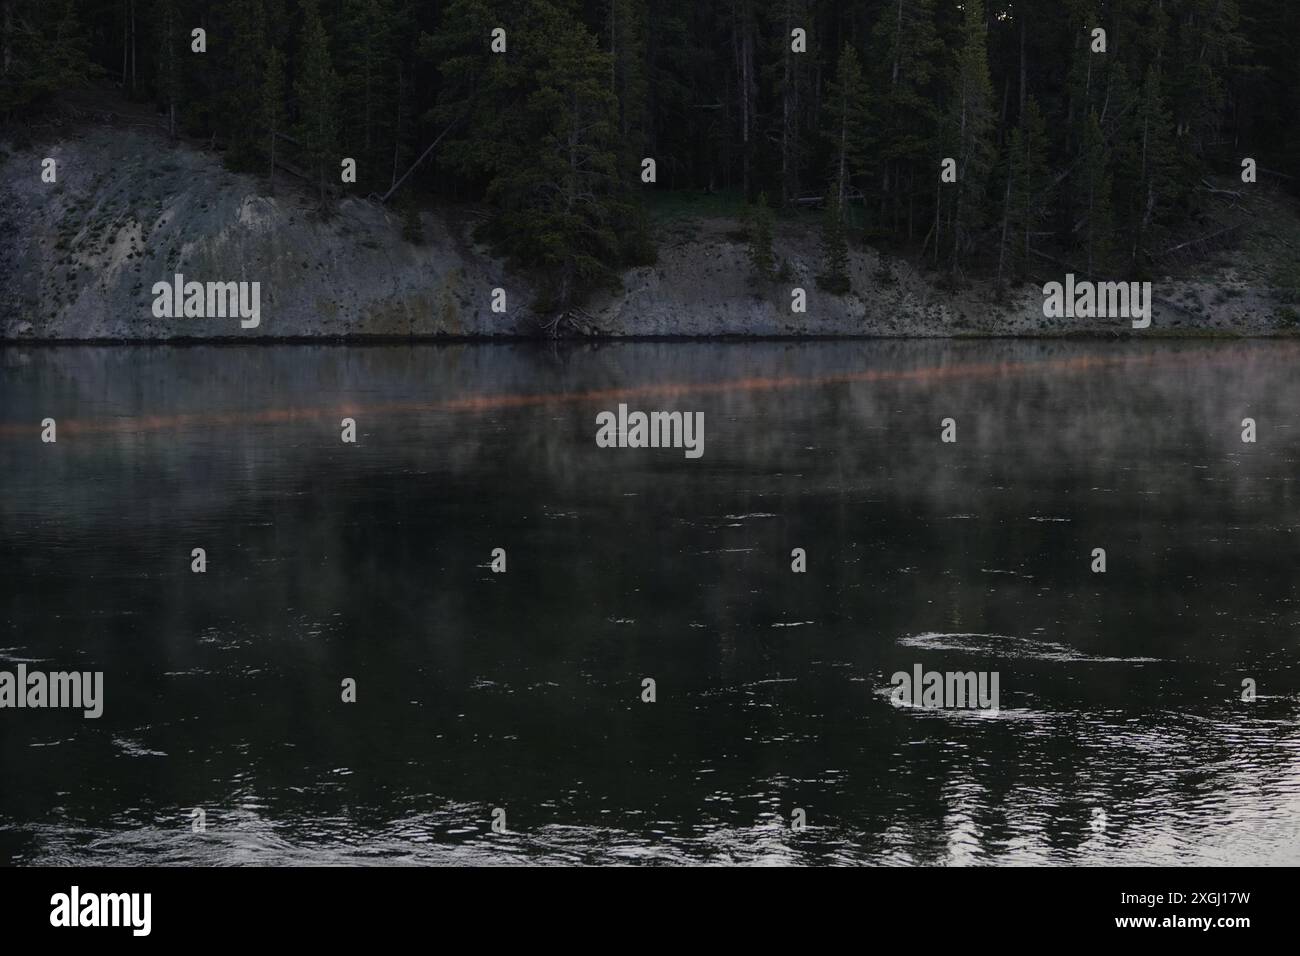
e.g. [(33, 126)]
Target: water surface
[(1121, 736)]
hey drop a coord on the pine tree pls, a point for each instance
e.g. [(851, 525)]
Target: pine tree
[(626, 31), (845, 124), (787, 76), (168, 86), (316, 87), (846, 133), (908, 57), (759, 231), (1096, 180), (476, 85), (368, 65), (242, 98), (1031, 184), (1148, 171), (1208, 44), (44, 51), (566, 196), (968, 137), (541, 125), (272, 106), (412, 224), (834, 276)]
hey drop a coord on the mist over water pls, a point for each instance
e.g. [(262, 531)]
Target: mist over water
[(1121, 735)]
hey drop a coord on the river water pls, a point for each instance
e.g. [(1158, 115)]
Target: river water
[(1121, 735)]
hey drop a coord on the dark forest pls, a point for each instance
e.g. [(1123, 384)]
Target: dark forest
[(1066, 143)]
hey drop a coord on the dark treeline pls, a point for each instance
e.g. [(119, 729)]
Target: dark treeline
[(1061, 152)]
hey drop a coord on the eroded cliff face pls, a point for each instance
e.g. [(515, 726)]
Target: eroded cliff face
[(81, 258)]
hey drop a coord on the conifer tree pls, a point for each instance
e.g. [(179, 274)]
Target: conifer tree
[(167, 16), (272, 106), (1208, 44), (834, 276), (367, 64), (908, 57), (1096, 180), (759, 231), (846, 133), (1146, 162), (787, 75), (42, 51), (968, 137), (316, 88), (242, 99), (845, 125), (626, 33), (542, 127), (1030, 184)]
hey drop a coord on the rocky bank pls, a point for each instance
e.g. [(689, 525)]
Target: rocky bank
[(129, 209)]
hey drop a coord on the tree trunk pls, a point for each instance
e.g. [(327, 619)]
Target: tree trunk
[(1028, 208), (1021, 15), (1146, 217), (423, 157), (7, 26), (787, 107), (397, 129), (1006, 216), (898, 45), (742, 39), (911, 205)]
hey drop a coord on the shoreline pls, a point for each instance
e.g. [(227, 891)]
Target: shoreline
[(83, 254), (508, 338)]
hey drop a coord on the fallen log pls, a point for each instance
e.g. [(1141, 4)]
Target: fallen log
[(1202, 240), (1214, 190), (423, 156)]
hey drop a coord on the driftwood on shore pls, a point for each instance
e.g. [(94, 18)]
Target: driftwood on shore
[(572, 321)]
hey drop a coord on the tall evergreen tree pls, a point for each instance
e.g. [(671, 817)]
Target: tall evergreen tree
[(316, 88), (626, 32), (845, 124), (242, 97), (1147, 169), (42, 50), (543, 131), (909, 58), (968, 138), (1096, 181), (367, 65), (759, 233), (834, 275), (1208, 44), (272, 106), (787, 75), (1030, 185), (168, 86), (845, 130)]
